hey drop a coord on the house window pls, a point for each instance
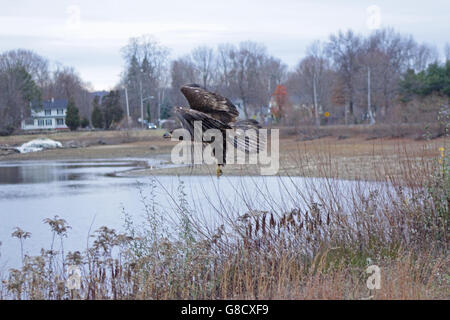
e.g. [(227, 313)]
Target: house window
[(60, 121), (40, 123), (48, 122), (48, 112), (60, 111), (29, 122)]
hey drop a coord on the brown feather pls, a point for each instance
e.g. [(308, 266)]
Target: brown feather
[(218, 107), (217, 112)]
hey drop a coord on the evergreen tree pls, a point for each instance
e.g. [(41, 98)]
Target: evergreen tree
[(17, 90), (132, 77), (112, 109), (166, 108), (72, 116), (30, 91), (148, 112), (84, 122), (97, 114), (436, 78)]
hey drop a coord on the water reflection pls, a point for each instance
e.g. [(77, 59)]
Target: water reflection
[(23, 173), (88, 196), (35, 174)]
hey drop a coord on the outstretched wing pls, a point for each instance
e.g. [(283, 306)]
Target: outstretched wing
[(211, 103), (246, 135), (188, 116)]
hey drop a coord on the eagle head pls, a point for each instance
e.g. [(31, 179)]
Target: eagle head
[(192, 85), (187, 88)]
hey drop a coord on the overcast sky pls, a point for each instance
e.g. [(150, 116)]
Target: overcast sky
[(88, 35)]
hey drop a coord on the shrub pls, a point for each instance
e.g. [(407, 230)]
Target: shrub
[(84, 122), (97, 114), (72, 115)]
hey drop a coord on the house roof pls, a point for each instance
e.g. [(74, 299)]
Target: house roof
[(51, 104), (100, 94)]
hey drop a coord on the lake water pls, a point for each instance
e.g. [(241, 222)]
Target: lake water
[(91, 194)]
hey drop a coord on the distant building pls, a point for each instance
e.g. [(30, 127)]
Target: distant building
[(99, 94), (47, 115)]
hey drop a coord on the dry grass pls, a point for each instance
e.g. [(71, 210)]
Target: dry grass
[(94, 144), (318, 250), (417, 131), (115, 136), (351, 158), (356, 158)]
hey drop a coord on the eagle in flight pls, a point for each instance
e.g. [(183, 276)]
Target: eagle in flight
[(216, 112)]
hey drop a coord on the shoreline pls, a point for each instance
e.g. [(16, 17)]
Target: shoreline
[(354, 158)]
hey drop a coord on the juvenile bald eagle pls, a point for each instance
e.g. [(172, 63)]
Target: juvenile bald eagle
[(215, 112)]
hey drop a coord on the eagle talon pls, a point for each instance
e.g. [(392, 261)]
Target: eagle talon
[(219, 171)]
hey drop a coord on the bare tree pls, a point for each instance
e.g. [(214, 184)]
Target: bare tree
[(424, 55), (66, 83), (386, 55), (17, 89), (274, 72), (20, 73), (313, 69), (145, 73), (344, 49), (182, 71), (34, 64), (224, 67), (247, 75), (376, 67), (203, 60)]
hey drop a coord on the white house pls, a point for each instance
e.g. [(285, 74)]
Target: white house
[(47, 115)]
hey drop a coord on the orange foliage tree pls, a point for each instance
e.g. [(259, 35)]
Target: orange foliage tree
[(281, 101), (338, 94)]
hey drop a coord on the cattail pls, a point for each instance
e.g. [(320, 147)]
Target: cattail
[(103, 276), (263, 227), (291, 218), (272, 221), (293, 222), (283, 220)]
